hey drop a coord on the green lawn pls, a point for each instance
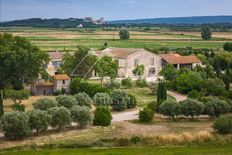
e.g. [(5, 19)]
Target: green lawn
[(186, 150)]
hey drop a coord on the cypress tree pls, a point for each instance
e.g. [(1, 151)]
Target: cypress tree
[(161, 93), (1, 103)]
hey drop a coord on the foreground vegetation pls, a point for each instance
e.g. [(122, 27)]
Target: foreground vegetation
[(177, 150)]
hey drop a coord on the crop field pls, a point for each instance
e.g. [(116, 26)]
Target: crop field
[(69, 39)]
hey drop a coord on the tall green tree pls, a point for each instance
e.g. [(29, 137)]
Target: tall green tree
[(124, 34), (20, 61), (106, 67), (206, 33), (1, 103), (139, 70), (80, 64), (161, 93), (169, 72)]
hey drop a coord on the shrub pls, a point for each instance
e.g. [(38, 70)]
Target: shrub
[(193, 94), (169, 108), (61, 117), (146, 115), (124, 34), (141, 83), (77, 85), (126, 83), (119, 100), (102, 116), (223, 125), (84, 99), (191, 107), (81, 115), (18, 107), (153, 105), (153, 87), (112, 84), (66, 101), (102, 99), (227, 46), (44, 104), (215, 107), (132, 102), (15, 125), (39, 120)]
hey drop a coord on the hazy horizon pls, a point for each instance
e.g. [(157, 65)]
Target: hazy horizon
[(112, 10)]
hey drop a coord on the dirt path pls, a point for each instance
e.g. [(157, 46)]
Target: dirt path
[(132, 115)]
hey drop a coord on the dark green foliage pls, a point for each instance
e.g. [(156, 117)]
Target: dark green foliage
[(102, 99), (66, 101), (91, 89), (223, 125), (119, 100), (214, 87), (102, 116), (1, 104), (153, 105), (193, 94), (161, 93), (141, 83), (83, 99), (227, 46), (132, 102), (146, 115), (44, 104), (216, 107), (124, 34), (189, 81), (18, 107), (17, 95), (61, 117), (168, 72), (39, 120), (112, 84), (85, 68), (20, 61), (169, 108), (81, 115), (126, 83), (106, 67), (139, 71), (15, 125), (191, 107), (206, 33)]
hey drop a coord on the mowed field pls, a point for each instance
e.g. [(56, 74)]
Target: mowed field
[(69, 39)]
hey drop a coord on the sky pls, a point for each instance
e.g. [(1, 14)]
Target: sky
[(111, 9)]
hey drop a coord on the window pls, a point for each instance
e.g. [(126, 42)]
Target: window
[(63, 81), (136, 62), (56, 64), (151, 72), (152, 62)]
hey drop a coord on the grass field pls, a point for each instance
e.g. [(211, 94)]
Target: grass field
[(69, 39), (186, 150)]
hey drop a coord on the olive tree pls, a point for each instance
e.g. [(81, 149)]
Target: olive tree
[(44, 104), (119, 100), (61, 117), (66, 101), (15, 125), (102, 99), (81, 115), (84, 99), (191, 107), (39, 120), (169, 108)]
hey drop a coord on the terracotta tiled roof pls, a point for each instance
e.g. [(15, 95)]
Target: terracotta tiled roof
[(120, 53), (178, 59), (61, 77)]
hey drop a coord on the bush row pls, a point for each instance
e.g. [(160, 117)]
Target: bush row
[(213, 107)]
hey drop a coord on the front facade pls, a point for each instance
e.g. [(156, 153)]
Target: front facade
[(61, 82), (129, 58)]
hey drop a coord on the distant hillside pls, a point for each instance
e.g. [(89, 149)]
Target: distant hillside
[(53, 23), (178, 20)]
